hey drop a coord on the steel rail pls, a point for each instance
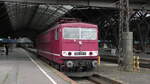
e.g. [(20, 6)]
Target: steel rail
[(101, 79)]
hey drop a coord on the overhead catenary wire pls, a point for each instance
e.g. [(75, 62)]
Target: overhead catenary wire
[(61, 10), (51, 15)]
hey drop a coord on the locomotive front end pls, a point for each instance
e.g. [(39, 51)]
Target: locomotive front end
[(80, 47)]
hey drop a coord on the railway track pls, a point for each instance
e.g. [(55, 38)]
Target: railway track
[(84, 80), (145, 63), (96, 79)]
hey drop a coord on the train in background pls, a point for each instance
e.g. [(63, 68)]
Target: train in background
[(70, 46), (25, 42)]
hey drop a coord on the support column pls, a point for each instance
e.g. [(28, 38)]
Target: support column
[(125, 38)]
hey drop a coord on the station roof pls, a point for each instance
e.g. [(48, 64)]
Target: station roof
[(31, 16), (100, 3)]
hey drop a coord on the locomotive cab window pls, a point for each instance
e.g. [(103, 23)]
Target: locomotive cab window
[(56, 34), (71, 33), (80, 33)]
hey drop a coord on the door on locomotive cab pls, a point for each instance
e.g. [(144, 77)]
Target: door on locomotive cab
[(56, 46)]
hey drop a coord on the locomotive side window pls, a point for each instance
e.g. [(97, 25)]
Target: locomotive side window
[(56, 34), (80, 33)]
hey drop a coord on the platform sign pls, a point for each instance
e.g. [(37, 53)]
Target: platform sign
[(8, 41)]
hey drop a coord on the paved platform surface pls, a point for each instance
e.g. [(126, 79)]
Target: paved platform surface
[(19, 67), (111, 71)]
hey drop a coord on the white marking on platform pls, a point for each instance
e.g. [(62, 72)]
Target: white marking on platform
[(111, 64), (44, 72)]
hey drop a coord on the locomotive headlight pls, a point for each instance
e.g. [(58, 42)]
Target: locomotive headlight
[(64, 53), (91, 53), (95, 53), (69, 53)]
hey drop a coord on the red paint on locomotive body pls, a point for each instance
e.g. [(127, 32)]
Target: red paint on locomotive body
[(69, 41)]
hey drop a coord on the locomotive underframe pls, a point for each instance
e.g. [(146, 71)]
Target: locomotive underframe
[(78, 66)]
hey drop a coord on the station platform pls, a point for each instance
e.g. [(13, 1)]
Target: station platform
[(111, 71), (21, 67)]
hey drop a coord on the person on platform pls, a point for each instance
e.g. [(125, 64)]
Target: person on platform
[(6, 47)]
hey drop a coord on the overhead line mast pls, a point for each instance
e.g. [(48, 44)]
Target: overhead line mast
[(125, 38)]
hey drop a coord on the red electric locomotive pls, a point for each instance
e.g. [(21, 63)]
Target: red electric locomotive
[(70, 46)]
